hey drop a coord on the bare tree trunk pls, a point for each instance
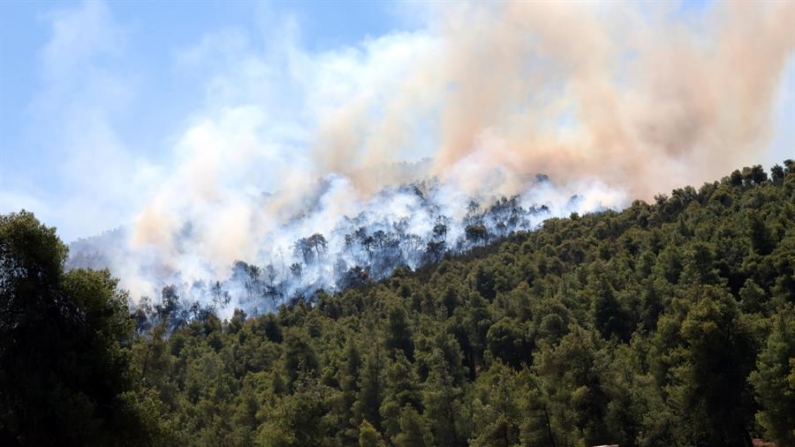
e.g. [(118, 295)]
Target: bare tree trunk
[(549, 427)]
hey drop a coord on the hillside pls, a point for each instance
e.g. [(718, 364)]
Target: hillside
[(397, 223), (670, 323), (333, 240), (665, 324)]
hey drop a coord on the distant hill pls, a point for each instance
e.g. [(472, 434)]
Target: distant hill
[(93, 252)]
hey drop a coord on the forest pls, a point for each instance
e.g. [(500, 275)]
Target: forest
[(412, 225), (669, 323)]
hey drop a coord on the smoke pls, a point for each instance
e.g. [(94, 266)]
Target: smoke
[(613, 102)]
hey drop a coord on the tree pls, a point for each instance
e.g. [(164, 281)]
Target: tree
[(296, 270), (299, 358), (777, 174), (305, 249), (298, 420), (371, 389), (64, 376), (435, 250), (318, 242), (440, 231), (761, 237), (610, 319), (442, 400), (736, 178), (414, 430), (495, 413), (755, 175), (774, 379), (506, 341), (711, 379), (399, 335), (369, 436), (401, 390), (476, 234), (349, 388)]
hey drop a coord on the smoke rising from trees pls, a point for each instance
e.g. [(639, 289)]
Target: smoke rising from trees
[(408, 131)]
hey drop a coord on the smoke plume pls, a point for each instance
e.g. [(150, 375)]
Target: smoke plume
[(613, 102)]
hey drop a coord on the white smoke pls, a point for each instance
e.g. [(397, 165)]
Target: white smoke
[(337, 239), (613, 102)]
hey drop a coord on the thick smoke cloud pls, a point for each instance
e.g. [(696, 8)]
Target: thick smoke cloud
[(612, 102)]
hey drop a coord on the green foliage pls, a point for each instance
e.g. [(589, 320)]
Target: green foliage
[(774, 379), (666, 324), (298, 419), (369, 436), (64, 357), (414, 431), (716, 354)]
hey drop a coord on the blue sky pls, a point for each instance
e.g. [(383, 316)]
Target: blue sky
[(95, 96), (111, 74)]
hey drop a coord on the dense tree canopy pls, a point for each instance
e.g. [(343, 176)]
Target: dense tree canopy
[(64, 338), (666, 324)]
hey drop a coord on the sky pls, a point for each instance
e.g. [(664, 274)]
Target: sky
[(103, 105), (94, 94)]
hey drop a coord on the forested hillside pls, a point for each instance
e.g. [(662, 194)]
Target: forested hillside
[(666, 324)]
